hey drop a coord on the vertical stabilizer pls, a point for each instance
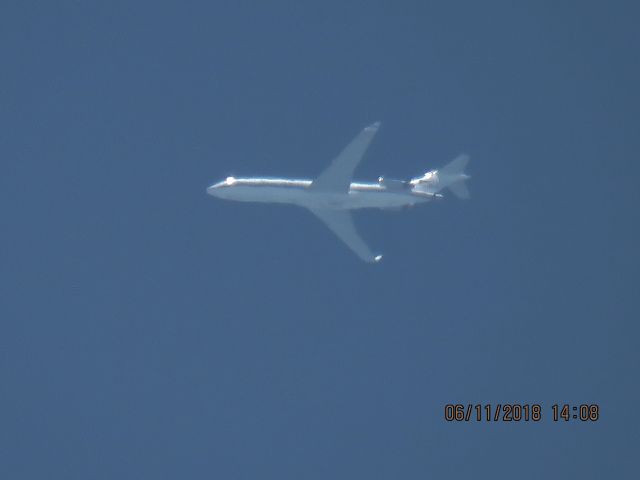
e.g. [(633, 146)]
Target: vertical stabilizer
[(452, 176), (460, 190)]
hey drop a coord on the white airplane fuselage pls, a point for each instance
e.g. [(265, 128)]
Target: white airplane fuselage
[(297, 192), (332, 194)]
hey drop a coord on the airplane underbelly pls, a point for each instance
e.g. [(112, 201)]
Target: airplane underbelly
[(267, 194), (305, 198), (356, 200), (379, 200)]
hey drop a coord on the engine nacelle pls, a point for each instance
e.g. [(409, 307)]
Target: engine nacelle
[(393, 185), (430, 178)]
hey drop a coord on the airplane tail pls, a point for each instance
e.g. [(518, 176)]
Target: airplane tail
[(450, 176), (453, 177)]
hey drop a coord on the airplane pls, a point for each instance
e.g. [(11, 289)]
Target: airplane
[(332, 195)]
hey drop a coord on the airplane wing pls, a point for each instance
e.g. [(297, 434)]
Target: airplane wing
[(337, 177), (340, 223)]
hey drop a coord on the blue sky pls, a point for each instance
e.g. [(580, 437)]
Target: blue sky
[(150, 331)]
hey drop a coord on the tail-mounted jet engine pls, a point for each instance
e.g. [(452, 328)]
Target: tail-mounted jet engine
[(393, 184), (430, 178)]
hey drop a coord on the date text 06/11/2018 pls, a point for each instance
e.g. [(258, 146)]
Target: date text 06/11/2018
[(519, 412)]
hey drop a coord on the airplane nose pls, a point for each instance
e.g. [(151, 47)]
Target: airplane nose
[(217, 188)]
